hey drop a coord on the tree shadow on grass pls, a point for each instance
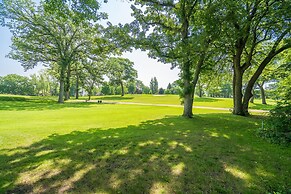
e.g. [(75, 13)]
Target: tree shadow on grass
[(38, 105), (198, 99), (207, 154), (114, 98)]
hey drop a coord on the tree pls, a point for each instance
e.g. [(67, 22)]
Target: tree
[(43, 83), (105, 89), (253, 29), (121, 69), (16, 84), (91, 75), (161, 91), (131, 87), (140, 88), (177, 32), (51, 34), (154, 85)]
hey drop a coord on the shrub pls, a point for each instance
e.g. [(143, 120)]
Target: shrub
[(277, 127)]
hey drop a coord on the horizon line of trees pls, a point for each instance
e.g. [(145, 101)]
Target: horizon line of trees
[(44, 84)]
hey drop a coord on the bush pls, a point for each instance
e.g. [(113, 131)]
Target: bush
[(277, 127)]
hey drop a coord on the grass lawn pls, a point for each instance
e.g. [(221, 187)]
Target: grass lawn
[(174, 99), (116, 148)]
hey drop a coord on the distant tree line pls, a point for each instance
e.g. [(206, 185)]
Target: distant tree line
[(45, 83)]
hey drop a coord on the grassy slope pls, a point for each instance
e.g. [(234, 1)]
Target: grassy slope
[(174, 99), (85, 147)]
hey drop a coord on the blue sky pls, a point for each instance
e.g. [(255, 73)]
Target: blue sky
[(119, 12)]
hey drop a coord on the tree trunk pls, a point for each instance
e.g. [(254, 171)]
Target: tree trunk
[(237, 96), (253, 97), (197, 72), (122, 88), (263, 96), (188, 91), (77, 86), (67, 87), (62, 82), (200, 89), (253, 80), (188, 104)]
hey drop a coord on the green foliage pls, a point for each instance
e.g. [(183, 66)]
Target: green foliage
[(105, 90), (154, 85), (277, 128), (16, 84), (131, 87), (179, 33), (44, 83), (80, 9), (56, 34), (91, 75), (120, 70), (161, 90)]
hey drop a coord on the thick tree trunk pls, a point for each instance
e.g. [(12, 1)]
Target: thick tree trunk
[(238, 105), (188, 104), (62, 82), (122, 88), (188, 91), (253, 80), (67, 86)]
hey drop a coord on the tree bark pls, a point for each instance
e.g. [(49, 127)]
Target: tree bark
[(188, 91), (62, 82), (67, 86), (253, 97), (77, 86), (254, 78), (197, 72), (122, 88), (200, 89), (188, 104), (263, 96), (237, 96)]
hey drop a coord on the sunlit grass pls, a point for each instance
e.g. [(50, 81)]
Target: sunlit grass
[(175, 100), (117, 148)]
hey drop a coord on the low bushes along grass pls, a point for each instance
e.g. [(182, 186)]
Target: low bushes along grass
[(277, 127)]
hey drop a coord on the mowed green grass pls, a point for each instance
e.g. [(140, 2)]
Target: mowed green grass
[(175, 100), (116, 148)]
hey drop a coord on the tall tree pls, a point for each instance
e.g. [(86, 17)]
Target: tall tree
[(154, 85), (253, 29), (91, 75), (175, 32), (48, 34), (120, 70)]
